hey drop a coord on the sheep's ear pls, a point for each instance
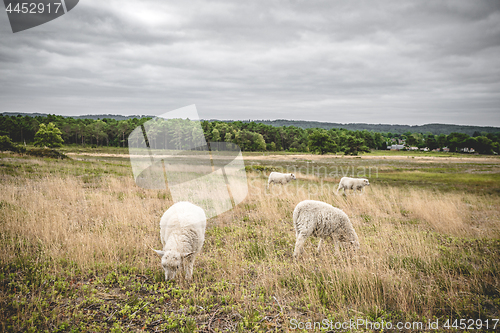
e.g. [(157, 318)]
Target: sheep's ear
[(187, 255), (160, 253)]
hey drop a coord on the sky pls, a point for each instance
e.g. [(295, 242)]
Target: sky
[(389, 62)]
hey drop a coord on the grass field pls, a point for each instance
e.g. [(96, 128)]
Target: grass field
[(76, 238)]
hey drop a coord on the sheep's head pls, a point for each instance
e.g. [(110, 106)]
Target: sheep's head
[(293, 176), (366, 182), (171, 262), (350, 243), (354, 245)]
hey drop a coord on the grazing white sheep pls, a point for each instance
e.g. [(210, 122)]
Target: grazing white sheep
[(352, 184), (182, 233), (280, 178), (319, 219)]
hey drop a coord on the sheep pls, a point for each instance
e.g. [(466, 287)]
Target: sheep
[(319, 219), (280, 178), (352, 184), (182, 233)]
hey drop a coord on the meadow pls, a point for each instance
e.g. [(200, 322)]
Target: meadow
[(76, 238)]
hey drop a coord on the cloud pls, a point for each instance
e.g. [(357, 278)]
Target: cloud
[(358, 61)]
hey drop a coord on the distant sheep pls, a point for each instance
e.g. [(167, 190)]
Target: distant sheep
[(352, 184), (280, 178), (182, 233), (319, 219)]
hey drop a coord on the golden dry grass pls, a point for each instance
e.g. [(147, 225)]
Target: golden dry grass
[(423, 253)]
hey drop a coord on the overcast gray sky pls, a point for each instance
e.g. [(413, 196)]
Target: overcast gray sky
[(396, 62)]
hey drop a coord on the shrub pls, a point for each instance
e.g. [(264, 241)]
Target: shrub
[(7, 145), (46, 152), (261, 168)]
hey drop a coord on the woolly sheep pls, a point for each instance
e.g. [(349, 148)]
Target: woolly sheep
[(182, 233), (319, 219), (352, 184), (280, 178)]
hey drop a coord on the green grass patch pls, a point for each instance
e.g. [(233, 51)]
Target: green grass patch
[(483, 183)]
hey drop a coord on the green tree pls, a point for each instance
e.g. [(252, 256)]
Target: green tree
[(48, 135), (259, 144), (456, 141), (215, 135), (320, 141), (431, 142), (271, 146), (249, 141), (354, 145), (411, 140), (483, 145), (377, 138), (99, 130), (441, 140)]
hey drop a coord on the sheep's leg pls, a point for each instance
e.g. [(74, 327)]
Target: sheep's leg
[(299, 244), (319, 245), (189, 267), (336, 246)]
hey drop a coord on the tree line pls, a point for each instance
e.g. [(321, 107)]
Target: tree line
[(436, 129), (250, 136)]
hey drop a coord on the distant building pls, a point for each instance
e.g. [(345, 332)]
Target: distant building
[(446, 149), (424, 149), (413, 148), (396, 147)]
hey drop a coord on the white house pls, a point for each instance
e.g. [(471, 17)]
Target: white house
[(395, 147)]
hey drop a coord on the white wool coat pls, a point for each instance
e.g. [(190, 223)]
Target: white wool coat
[(280, 178), (319, 219)]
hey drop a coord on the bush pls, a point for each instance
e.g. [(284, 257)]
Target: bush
[(46, 152), (7, 145), (261, 168)]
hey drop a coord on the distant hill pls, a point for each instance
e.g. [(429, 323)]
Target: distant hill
[(89, 116), (435, 129)]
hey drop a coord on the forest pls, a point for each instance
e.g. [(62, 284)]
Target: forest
[(435, 129), (250, 136)]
